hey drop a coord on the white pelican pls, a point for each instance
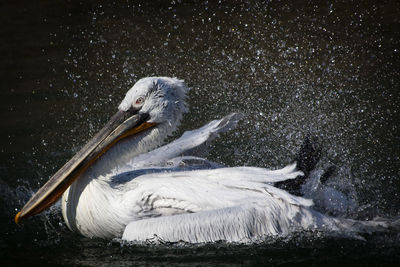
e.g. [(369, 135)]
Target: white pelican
[(119, 185)]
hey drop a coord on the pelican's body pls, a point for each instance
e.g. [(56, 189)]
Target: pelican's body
[(165, 187), (121, 186)]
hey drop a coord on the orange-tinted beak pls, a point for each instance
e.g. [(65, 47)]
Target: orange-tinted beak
[(121, 125)]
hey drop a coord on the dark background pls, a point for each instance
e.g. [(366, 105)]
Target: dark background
[(325, 68)]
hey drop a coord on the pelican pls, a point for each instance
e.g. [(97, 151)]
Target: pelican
[(124, 184)]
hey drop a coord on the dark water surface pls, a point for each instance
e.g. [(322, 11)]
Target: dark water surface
[(329, 69)]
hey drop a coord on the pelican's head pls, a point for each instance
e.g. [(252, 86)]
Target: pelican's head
[(151, 102), (162, 98)]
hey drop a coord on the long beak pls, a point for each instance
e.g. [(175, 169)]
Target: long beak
[(121, 125)]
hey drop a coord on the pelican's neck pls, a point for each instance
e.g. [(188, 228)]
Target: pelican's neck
[(123, 152)]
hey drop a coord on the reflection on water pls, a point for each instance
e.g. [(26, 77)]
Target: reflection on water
[(328, 69)]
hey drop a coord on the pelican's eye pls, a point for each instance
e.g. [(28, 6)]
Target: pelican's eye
[(139, 101)]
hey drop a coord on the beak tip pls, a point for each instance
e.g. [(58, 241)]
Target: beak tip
[(17, 217)]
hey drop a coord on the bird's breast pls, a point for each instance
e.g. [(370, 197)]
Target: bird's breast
[(94, 209)]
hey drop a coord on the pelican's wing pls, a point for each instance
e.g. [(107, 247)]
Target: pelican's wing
[(223, 195), (212, 188), (188, 144), (234, 204)]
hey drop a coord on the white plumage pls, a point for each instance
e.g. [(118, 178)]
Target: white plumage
[(138, 193)]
